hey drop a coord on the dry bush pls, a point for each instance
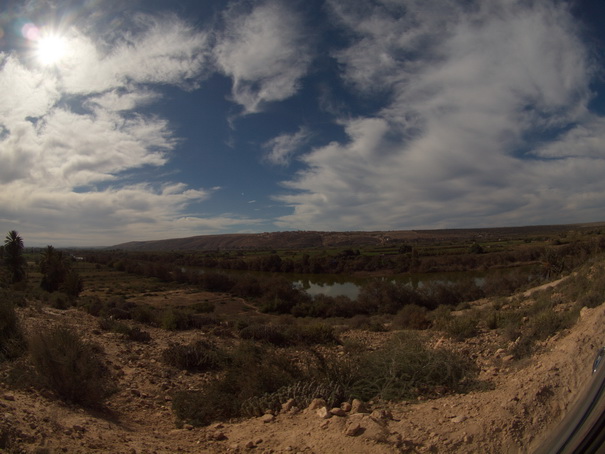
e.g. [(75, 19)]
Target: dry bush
[(70, 367), (12, 342), (196, 357), (405, 369)]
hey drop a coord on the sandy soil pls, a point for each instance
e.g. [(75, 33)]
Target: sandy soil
[(526, 400)]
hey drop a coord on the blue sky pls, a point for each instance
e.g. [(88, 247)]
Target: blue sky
[(160, 119)]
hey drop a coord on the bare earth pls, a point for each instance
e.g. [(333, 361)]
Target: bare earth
[(524, 400)]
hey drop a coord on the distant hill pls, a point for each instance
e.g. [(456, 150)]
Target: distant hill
[(310, 239)]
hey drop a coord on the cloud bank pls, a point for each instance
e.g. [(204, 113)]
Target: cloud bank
[(486, 121)]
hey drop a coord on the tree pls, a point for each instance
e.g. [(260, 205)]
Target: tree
[(13, 256), (54, 268)]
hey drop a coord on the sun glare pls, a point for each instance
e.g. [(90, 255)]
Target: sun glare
[(51, 49)]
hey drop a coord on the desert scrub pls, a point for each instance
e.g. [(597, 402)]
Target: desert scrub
[(301, 393), (12, 342), (196, 357), (129, 333), (284, 335), (411, 316), (252, 371), (70, 367), (405, 369)]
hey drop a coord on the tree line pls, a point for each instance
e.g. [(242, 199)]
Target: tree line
[(54, 265)]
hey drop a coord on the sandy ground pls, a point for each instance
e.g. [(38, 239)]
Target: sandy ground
[(526, 400)]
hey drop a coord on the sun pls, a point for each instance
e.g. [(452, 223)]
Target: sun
[(51, 49)]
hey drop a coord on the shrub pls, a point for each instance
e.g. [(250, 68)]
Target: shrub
[(462, 326), (405, 369), (70, 367), (197, 357), (411, 316), (12, 342), (130, 333), (302, 392), (251, 371), (271, 334)]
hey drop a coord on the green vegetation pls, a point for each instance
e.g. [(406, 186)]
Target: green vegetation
[(13, 257), (263, 340)]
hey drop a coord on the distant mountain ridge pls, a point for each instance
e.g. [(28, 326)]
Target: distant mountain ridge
[(313, 239)]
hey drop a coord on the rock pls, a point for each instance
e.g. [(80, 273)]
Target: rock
[(459, 419), (323, 413), (267, 418), (338, 412), (346, 406), (9, 397), (316, 403), (357, 406), (353, 429), (250, 445), (218, 436), (188, 427), (382, 415), (287, 406)]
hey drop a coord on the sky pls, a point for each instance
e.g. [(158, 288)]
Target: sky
[(152, 119)]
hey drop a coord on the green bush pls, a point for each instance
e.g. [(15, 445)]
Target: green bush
[(70, 367), (12, 342)]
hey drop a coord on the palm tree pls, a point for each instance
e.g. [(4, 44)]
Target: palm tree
[(13, 256)]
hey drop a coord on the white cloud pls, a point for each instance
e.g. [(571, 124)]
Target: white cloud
[(69, 131), (282, 148), (163, 51), (264, 51), (472, 91)]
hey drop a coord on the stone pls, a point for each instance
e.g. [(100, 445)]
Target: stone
[(188, 427), (287, 406), (9, 397), (357, 406), (316, 403), (353, 429), (382, 414), (267, 418), (346, 406), (338, 412), (459, 419), (250, 445), (323, 413)]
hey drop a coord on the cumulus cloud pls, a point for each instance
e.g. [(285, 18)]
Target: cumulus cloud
[(72, 138), (479, 96), (264, 51), (282, 148)]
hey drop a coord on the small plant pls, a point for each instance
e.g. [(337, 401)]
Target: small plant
[(70, 367), (197, 357)]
